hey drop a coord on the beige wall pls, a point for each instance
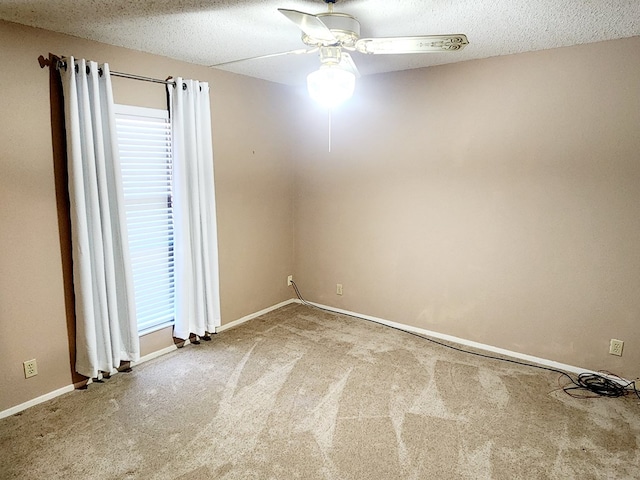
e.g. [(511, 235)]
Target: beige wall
[(253, 191), (494, 200)]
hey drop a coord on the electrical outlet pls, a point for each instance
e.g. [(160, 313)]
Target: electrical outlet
[(289, 280), (615, 347), (30, 368), (338, 289)]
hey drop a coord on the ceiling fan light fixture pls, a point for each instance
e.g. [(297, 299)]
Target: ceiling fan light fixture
[(331, 85)]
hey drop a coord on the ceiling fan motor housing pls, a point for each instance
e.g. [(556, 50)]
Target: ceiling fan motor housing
[(344, 27)]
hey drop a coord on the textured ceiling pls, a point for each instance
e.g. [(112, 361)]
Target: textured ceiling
[(209, 32)]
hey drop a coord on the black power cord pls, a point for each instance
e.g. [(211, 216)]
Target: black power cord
[(601, 386), (598, 385)]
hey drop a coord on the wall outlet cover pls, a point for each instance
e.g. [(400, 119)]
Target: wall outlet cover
[(30, 368), (615, 347)]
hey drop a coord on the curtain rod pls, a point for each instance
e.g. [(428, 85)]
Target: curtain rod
[(45, 62), (144, 79)]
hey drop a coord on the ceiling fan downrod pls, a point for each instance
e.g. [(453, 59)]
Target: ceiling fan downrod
[(330, 4)]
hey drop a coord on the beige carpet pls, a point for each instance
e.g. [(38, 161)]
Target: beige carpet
[(304, 394)]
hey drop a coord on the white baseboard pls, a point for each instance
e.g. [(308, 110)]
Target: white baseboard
[(35, 401), (469, 343), (69, 388), (158, 353), (440, 336), (251, 316)]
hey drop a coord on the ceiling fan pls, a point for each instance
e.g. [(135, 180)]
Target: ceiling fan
[(334, 34)]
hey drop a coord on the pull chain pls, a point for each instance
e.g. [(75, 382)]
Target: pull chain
[(329, 129)]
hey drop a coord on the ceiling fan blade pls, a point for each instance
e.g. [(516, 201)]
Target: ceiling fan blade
[(309, 24), (421, 44), (347, 63), (300, 51)]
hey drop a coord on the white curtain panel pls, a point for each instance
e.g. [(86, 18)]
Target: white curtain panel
[(106, 330), (197, 305)]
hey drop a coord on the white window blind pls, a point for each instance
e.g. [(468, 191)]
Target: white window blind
[(144, 140)]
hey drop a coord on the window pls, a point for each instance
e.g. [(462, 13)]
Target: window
[(144, 141)]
